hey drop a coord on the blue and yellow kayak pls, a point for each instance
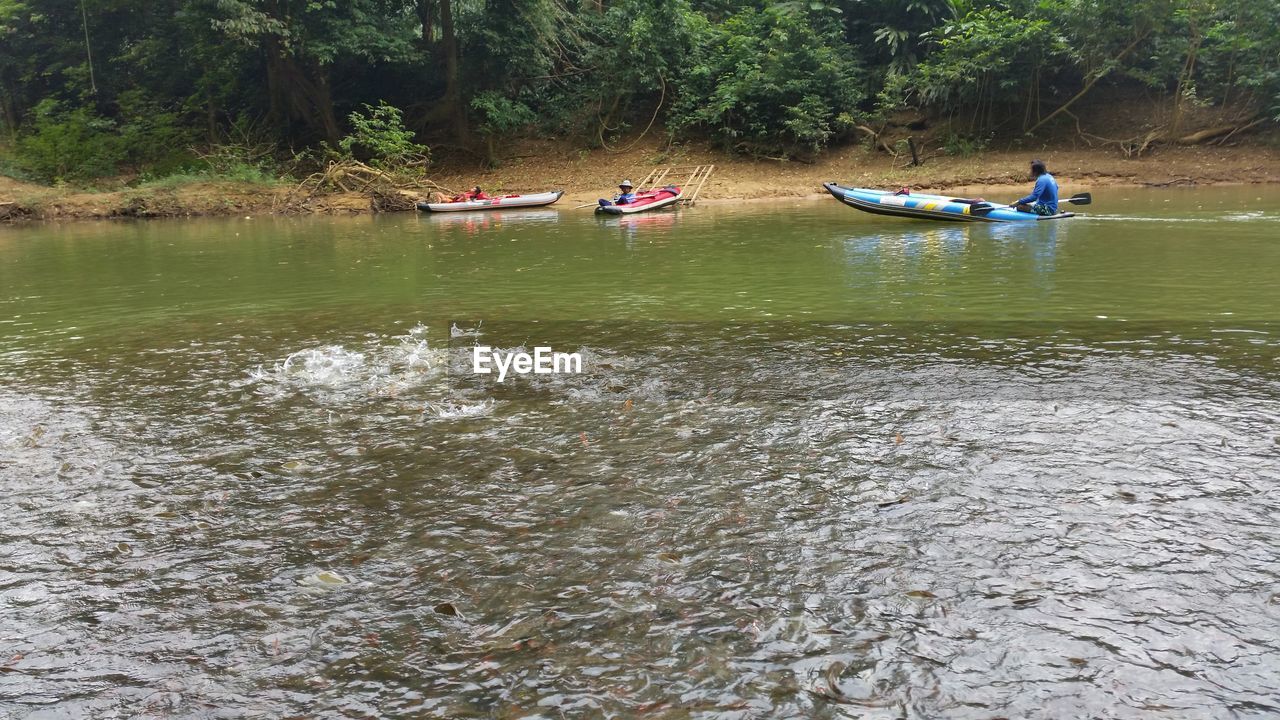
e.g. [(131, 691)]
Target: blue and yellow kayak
[(932, 207)]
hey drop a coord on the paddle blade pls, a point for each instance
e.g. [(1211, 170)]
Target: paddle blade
[(1080, 199)]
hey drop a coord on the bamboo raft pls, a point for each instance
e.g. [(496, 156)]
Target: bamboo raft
[(695, 177)]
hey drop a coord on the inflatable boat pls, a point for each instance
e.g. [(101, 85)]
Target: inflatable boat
[(498, 203), (939, 207), (645, 201)]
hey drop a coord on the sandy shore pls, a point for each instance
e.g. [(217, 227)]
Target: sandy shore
[(588, 175), (586, 179)]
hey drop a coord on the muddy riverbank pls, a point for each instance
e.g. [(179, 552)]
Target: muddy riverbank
[(587, 175)]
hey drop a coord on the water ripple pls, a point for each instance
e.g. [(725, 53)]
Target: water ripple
[(714, 522)]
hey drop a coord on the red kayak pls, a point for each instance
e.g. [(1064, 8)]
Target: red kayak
[(647, 200)]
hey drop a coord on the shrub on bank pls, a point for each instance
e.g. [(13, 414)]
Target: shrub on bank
[(60, 144), (770, 83)]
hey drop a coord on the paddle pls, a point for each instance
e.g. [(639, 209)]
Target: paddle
[(641, 192), (983, 208)]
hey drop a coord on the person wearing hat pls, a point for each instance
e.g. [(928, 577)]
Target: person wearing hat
[(626, 196)]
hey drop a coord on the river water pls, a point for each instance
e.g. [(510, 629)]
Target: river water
[(817, 464)]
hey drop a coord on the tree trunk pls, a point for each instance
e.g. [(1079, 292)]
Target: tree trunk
[(321, 101), (300, 93), (8, 116), (1031, 95), (1184, 79), (915, 152), (452, 91), (211, 118), (426, 14)]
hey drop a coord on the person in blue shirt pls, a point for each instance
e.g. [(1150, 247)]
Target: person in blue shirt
[(626, 196), (1043, 200)]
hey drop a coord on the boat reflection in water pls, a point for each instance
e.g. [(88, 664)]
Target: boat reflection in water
[(652, 227), (916, 241), (472, 222), (939, 254)]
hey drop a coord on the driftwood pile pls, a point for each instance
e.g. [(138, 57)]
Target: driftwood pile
[(13, 211), (387, 190)]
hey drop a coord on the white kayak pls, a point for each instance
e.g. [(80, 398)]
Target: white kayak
[(498, 203)]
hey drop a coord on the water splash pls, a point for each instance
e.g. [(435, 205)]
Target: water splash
[(446, 410), (457, 332), (329, 365), (386, 366)]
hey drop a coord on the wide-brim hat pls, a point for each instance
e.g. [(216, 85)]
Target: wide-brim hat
[(625, 183)]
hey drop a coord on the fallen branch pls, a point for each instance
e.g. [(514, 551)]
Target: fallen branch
[(1139, 144), (392, 201), (1196, 138), (1171, 183), (876, 140), (1242, 128), (1135, 145)]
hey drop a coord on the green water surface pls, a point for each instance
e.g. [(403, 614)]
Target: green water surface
[(1175, 255)]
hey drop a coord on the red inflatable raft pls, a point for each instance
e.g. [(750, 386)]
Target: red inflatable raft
[(645, 201)]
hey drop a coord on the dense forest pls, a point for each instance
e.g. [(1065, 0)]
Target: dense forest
[(91, 88)]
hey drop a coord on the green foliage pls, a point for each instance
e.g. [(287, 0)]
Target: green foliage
[(61, 144), (994, 63), (988, 58), (895, 31), (153, 137), (325, 31), (242, 174), (624, 66), (769, 83), (651, 40), (379, 135), (247, 150), (765, 77), (500, 115), (1239, 57), (513, 41), (958, 145)]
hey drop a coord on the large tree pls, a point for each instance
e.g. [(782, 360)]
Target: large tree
[(301, 43)]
